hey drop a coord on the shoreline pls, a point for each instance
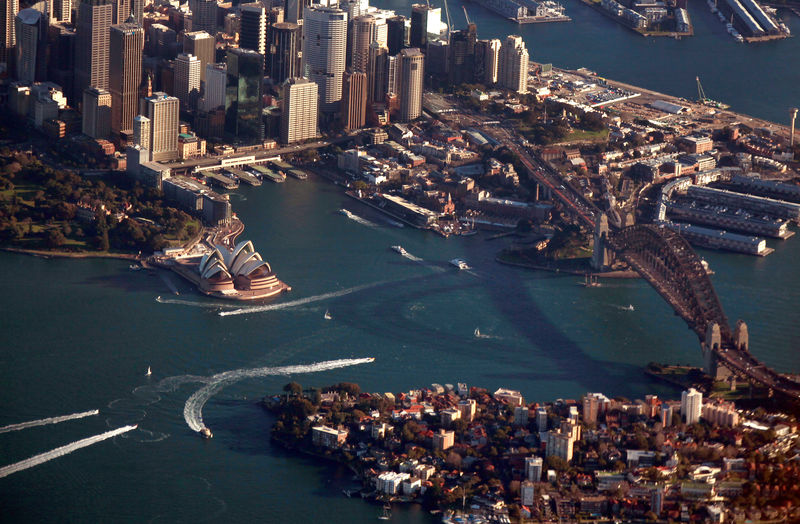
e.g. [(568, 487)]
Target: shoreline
[(41, 253), (535, 267)]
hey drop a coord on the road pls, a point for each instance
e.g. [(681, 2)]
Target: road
[(189, 165)]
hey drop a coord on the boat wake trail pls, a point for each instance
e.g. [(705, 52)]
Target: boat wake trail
[(47, 421), (193, 409), (192, 303), (412, 257), (301, 301), (60, 452), (358, 220)]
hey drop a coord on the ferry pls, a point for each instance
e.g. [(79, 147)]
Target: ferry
[(460, 263), (400, 250), (206, 433)]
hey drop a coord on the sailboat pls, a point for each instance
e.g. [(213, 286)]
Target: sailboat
[(148, 372), (477, 332), (328, 315)]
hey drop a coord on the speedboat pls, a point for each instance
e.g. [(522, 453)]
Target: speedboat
[(371, 359), (148, 372), (345, 212), (630, 308), (400, 250), (328, 315), (206, 433), (460, 263)]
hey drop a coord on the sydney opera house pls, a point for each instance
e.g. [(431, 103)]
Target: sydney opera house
[(240, 273)]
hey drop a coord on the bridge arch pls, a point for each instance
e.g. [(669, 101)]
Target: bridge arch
[(669, 264)]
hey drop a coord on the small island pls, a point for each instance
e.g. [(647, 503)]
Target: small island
[(501, 458)]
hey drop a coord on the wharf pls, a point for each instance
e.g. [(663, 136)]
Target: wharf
[(540, 19), (671, 34), (382, 210), (221, 181), (244, 176)]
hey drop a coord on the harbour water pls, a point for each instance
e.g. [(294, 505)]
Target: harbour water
[(79, 335)]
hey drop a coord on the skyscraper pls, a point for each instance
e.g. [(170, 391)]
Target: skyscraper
[(412, 67), (204, 15), (487, 58), (362, 31), (513, 64), (187, 80), (253, 28), (121, 10), (137, 9), (141, 132), (162, 111), (62, 10), (92, 45), (96, 112), (30, 27), (243, 119), (299, 116), (201, 45), (354, 100), (284, 52), (462, 55), (8, 11), (216, 80), (324, 49), (376, 73), (125, 74), (691, 405), (396, 34), (294, 10), (426, 24)]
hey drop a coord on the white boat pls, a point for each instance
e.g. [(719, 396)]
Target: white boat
[(630, 308), (345, 212), (148, 372), (328, 315), (460, 263), (400, 250), (477, 332), (206, 433), (135, 267)]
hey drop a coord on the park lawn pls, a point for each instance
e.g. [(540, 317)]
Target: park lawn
[(588, 136)]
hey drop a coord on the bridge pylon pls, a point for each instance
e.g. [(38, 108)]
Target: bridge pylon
[(711, 345), (741, 339)]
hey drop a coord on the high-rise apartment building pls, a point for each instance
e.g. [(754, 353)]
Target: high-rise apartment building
[(96, 112), (412, 68), (324, 52), (284, 52), (187, 80), (691, 405), (354, 100), (62, 11), (8, 12), (253, 28), (243, 119), (30, 28), (125, 74), (202, 45), (513, 70), (487, 60), (92, 45), (426, 25), (216, 80), (533, 468), (299, 115), (120, 11), (162, 110)]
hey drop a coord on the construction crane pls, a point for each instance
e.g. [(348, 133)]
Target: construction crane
[(449, 26), (701, 97), (465, 14)]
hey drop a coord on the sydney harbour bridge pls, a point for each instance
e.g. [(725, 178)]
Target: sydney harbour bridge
[(667, 261)]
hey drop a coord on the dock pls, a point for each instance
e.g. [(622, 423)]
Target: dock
[(298, 174), (225, 182), (244, 176), (269, 174)]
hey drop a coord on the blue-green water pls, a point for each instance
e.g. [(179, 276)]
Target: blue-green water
[(78, 335)]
